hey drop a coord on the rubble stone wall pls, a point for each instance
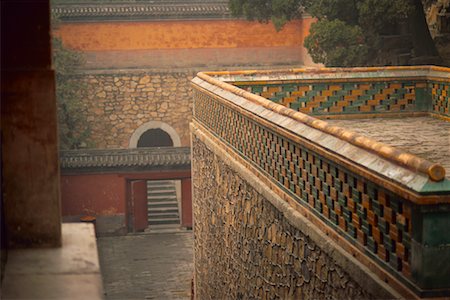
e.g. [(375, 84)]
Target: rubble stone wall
[(118, 103), (246, 248)]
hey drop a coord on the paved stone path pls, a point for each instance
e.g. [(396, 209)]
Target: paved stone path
[(425, 137), (147, 266)]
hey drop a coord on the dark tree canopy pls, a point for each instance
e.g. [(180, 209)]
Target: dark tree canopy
[(353, 32), (277, 11), (335, 43)]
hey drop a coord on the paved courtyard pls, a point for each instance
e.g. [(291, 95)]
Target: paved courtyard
[(425, 137), (147, 266)]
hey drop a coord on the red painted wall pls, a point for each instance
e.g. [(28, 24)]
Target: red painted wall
[(186, 202), (183, 34), (186, 43), (102, 194), (106, 194)]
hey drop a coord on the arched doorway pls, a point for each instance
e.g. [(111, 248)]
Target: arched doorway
[(156, 129), (161, 205), (155, 138)]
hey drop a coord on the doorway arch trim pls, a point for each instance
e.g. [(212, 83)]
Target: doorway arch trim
[(154, 125)]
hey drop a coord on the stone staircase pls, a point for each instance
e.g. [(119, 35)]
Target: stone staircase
[(162, 204)]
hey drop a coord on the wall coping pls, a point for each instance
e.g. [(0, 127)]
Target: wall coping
[(435, 172), (85, 11), (369, 73), (131, 10), (175, 70), (123, 159), (71, 271)]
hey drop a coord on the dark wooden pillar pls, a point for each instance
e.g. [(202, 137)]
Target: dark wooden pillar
[(186, 202), (30, 167), (139, 203)]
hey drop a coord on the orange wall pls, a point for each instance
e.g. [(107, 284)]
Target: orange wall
[(181, 35)]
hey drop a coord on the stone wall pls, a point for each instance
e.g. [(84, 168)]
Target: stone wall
[(117, 103), (248, 248)]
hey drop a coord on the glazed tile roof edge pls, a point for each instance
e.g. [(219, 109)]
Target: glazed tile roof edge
[(339, 150), (142, 10), (124, 158), (434, 171), (368, 73)]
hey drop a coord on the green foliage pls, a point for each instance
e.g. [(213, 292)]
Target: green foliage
[(348, 32), (344, 10), (380, 15), (363, 24), (277, 11), (73, 128), (335, 43)]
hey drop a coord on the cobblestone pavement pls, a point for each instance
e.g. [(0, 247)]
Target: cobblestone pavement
[(147, 266), (425, 137)]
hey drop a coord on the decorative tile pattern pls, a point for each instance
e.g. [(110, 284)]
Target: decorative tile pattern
[(440, 92), (326, 98), (362, 211), (246, 249)]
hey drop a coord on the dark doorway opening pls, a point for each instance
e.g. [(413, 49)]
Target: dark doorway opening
[(155, 138), (159, 201)]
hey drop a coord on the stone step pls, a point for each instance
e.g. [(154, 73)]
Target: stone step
[(164, 221), (162, 204), (163, 209), (155, 209), (161, 190), (159, 200), (158, 216), (156, 197), (165, 228), (152, 184), (156, 194)]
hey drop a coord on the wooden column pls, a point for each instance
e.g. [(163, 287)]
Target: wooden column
[(186, 202), (139, 203)]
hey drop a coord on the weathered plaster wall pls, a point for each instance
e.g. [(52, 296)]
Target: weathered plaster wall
[(93, 194), (100, 195), (106, 196), (186, 43), (116, 104), (247, 248), (178, 34)]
